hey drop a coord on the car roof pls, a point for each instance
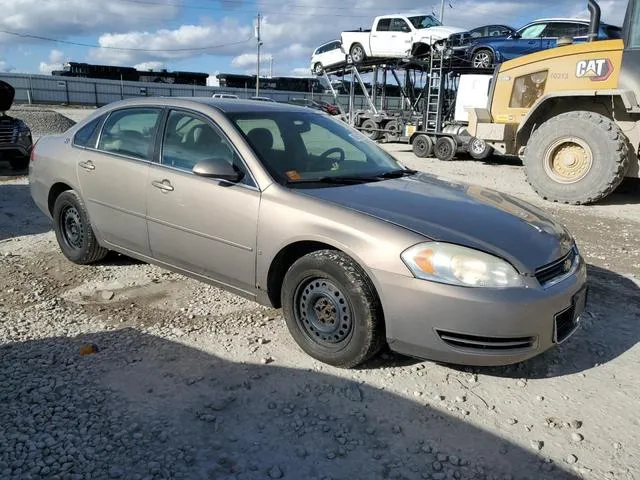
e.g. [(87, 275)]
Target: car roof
[(222, 104), (561, 19), (409, 14)]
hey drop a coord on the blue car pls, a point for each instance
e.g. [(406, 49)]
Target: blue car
[(533, 37)]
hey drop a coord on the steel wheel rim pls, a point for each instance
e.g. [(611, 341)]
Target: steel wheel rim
[(568, 160), (323, 312), (444, 149), (421, 146), (482, 60), (71, 227), (478, 146), (356, 54), (368, 129)]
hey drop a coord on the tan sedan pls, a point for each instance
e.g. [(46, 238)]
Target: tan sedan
[(291, 208)]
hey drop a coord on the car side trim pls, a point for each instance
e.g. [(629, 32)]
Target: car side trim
[(118, 209), (200, 234)]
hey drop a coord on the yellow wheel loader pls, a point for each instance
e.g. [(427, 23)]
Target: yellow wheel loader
[(572, 113)]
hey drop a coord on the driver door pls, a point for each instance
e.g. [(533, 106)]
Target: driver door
[(203, 226), (400, 44)]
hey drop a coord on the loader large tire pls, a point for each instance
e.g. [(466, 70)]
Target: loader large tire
[(577, 158)]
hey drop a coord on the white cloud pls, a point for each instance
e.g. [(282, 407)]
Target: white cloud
[(5, 67), (155, 66), (226, 35), (251, 60), (56, 59), (65, 18), (300, 72)]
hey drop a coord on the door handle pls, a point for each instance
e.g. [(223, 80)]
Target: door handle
[(88, 165), (164, 185)]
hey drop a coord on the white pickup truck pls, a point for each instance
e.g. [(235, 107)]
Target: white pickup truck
[(396, 36)]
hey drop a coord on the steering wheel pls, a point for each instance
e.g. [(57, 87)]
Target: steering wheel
[(333, 150)]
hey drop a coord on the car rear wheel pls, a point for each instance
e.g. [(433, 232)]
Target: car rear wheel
[(332, 310), (482, 59), (318, 68), (357, 53), (445, 149), (73, 230)]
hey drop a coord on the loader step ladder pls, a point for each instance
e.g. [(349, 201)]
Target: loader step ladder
[(435, 94)]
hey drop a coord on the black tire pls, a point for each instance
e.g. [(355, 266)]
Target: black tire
[(357, 53), (19, 163), (318, 68), (340, 284), (479, 149), (392, 128), (483, 58), (445, 149), (422, 146), (73, 230), (370, 129), (602, 155)]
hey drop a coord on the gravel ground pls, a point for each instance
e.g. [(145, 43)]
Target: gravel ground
[(41, 119), (187, 381)]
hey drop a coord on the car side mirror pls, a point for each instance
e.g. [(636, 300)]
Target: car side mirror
[(217, 168)]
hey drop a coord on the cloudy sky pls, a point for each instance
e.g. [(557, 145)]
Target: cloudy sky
[(218, 35)]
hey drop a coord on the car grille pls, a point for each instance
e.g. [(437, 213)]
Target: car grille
[(486, 344), (556, 270), (8, 133)]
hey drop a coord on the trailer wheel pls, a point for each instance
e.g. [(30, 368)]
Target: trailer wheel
[(357, 53), (445, 149), (422, 146), (370, 129), (393, 128), (576, 157), (479, 149)]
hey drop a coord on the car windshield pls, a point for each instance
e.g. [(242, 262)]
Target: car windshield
[(300, 148), (424, 21)]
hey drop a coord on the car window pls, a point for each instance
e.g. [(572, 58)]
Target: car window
[(498, 30), (424, 21), (130, 132), (88, 135), (335, 46), (533, 31), (478, 32), (248, 125), (383, 25), (565, 29), (314, 146), (399, 25), (189, 139)]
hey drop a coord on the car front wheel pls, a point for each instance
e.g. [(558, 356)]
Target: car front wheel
[(73, 230), (332, 310)]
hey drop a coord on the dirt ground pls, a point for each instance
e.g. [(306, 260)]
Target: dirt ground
[(191, 382)]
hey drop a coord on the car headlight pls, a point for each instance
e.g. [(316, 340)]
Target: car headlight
[(456, 265)]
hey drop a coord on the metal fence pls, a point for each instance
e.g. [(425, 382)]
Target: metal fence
[(49, 89)]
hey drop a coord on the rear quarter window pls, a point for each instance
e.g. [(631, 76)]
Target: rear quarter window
[(87, 136)]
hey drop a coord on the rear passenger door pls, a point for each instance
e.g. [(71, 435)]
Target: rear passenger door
[(112, 170), (201, 225)]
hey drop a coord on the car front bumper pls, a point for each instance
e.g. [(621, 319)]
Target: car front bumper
[(478, 326)]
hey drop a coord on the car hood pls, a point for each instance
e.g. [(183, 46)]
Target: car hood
[(466, 215), (7, 94), (439, 32)]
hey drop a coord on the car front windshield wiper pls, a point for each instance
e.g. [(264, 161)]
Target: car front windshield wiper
[(404, 172), (349, 180), (335, 180)]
